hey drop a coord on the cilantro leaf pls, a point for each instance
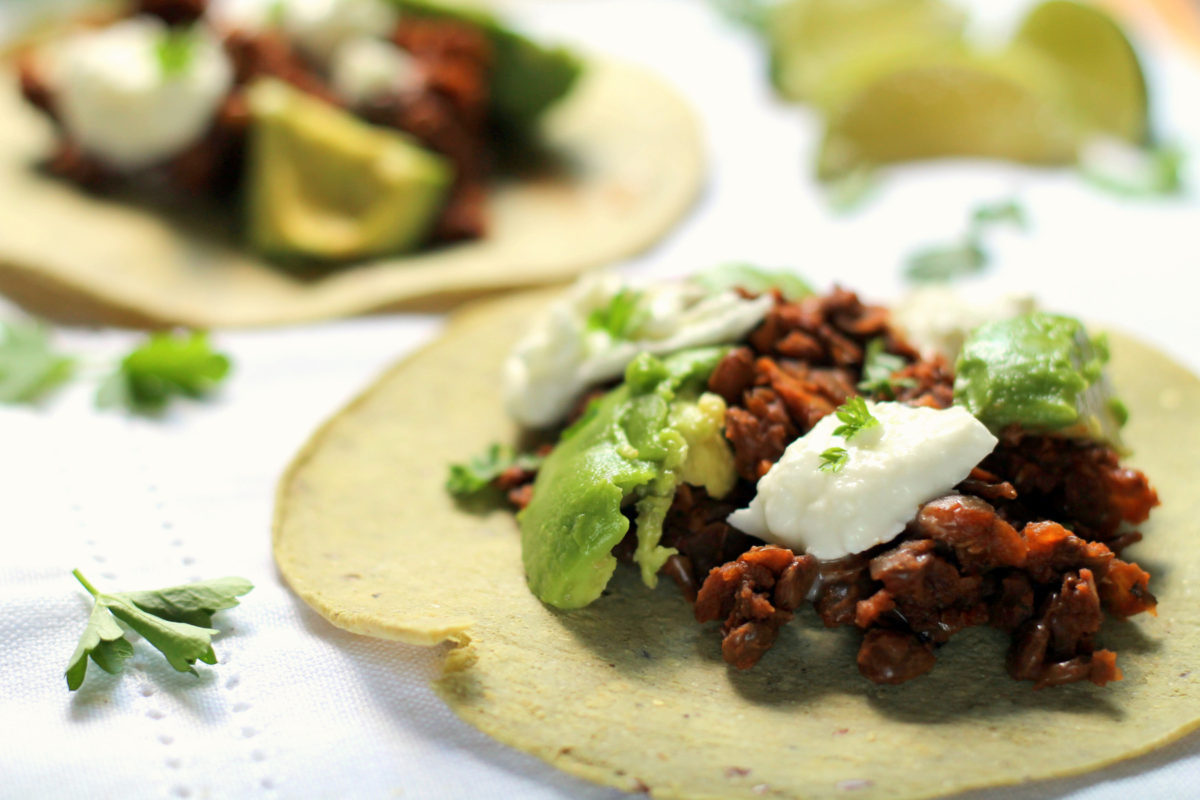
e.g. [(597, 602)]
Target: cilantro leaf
[(164, 366), (1009, 211), (29, 367), (175, 51), (104, 641), (945, 263), (621, 317), (1128, 171), (878, 368), (740, 275), (193, 603), (479, 471), (160, 618), (855, 417), (751, 14), (833, 459), (851, 191)]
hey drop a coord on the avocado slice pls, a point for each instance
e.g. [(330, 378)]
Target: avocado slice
[(527, 77), (323, 184)]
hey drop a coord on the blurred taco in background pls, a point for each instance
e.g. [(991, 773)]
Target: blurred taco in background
[(890, 522), (405, 148)]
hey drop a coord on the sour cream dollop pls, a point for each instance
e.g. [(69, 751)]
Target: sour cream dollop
[(318, 27), (121, 105), (913, 456), (562, 355)]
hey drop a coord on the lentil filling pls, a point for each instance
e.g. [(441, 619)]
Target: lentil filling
[(1029, 543)]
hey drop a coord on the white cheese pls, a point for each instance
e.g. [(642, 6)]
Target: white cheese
[(119, 103), (561, 356), (913, 456), (366, 69), (937, 320), (317, 27)]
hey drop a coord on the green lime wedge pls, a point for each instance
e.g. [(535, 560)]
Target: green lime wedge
[(1005, 107), (822, 51), (1106, 87)]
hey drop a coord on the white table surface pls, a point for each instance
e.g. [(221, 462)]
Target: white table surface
[(296, 708)]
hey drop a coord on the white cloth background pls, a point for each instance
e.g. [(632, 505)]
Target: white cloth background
[(297, 708)]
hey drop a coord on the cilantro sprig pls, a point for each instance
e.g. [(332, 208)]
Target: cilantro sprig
[(1132, 172), (176, 621), (968, 256), (479, 471), (855, 418), (621, 317), (175, 51), (29, 367), (164, 366), (878, 368), (833, 459)]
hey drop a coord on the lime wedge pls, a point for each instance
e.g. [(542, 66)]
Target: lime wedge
[(824, 50), (1004, 108), (1106, 87), (324, 184)]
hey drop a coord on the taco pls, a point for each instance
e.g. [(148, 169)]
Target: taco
[(882, 664), (243, 162)]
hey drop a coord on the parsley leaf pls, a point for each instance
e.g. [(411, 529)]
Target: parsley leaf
[(164, 366), (740, 275), (29, 368), (851, 191), (878, 368), (855, 417), (621, 316), (175, 51), (1005, 211), (833, 459), (479, 472), (175, 621)]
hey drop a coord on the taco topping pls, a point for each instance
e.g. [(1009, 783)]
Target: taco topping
[(814, 456)]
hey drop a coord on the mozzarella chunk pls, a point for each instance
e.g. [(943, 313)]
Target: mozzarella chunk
[(913, 456)]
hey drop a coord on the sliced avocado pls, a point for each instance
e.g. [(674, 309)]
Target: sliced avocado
[(527, 79), (323, 184)]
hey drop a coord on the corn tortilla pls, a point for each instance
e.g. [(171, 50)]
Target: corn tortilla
[(629, 162), (631, 692)]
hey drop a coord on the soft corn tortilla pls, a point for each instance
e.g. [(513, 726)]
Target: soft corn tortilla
[(628, 164), (631, 692)]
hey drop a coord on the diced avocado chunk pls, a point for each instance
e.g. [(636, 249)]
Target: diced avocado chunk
[(322, 184), (633, 444), (1042, 372), (527, 78)]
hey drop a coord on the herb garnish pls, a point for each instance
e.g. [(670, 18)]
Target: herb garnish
[(967, 256), (164, 366), (175, 51), (621, 316), (29, 367), (855, 417), (479, 471), (176, 621), (1132, 172), (878, 368), (833, 459)]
